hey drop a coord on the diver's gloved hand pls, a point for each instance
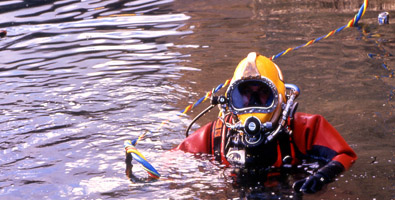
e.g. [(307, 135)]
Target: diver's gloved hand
[(311, 184), (315, 182)]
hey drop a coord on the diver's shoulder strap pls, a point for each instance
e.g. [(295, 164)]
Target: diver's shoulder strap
[(218, 129), (216, 139)]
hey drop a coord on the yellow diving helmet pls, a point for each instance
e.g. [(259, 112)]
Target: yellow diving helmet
[(257, 90)]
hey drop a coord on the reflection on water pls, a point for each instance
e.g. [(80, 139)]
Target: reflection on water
[(79, 77)]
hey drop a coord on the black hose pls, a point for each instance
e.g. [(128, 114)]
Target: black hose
[(197, 117)]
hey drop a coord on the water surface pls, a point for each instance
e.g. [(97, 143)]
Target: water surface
[(77, 78)]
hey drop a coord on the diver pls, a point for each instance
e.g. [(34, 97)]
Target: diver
[(258, 128)]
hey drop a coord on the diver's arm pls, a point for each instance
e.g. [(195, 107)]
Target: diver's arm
[(198, 142), (318, 139), (314, 136)]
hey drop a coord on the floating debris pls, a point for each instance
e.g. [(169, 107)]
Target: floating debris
[(384, 18), (3, 33)]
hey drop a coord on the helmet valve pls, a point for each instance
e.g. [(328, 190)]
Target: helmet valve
[(252, 126), (254, 129), (218, 100)]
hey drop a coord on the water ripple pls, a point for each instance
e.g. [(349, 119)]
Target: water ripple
[(76, 78)]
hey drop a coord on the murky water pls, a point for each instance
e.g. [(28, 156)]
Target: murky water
[(77, 78)]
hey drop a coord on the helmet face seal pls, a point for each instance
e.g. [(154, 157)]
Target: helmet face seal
[(253, 95)]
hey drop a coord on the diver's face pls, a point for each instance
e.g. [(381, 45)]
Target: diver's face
[(254, 95)]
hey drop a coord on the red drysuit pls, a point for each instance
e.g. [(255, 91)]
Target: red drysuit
[(312, 137)]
